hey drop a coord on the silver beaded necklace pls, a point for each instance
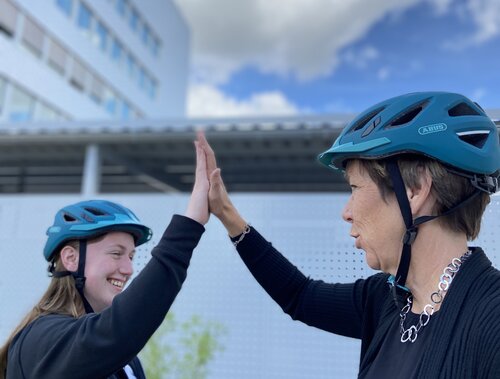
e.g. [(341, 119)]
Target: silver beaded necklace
[(449, 272)]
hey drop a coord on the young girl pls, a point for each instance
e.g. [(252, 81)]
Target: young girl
[(86, 325)]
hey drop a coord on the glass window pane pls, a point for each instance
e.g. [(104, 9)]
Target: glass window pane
[(21, 106), (142, 78), (78, 76), (155, 46), (46, 113), (132, 66), (97, 90), (125, 114), (65, 5), (152, 89), (145, 34), (33, 37), (110, 101), (117, 51), (134, 20), (121, 7), (57, 57), (84, 20), (102, 36), (8, 18)]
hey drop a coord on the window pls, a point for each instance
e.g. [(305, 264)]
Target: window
[(131, 66), (57, 57), (102, 36), (121, 7), (78, 76), (46, 113), (145, 34), (84, 20), (134, 19), (66, 6), (153, 89), (155, 46), (21, 105), (3, 85), (97, 90), (142, 78), (126, 110), (33, 37), (117, 51), (8, 18), (110, 101)]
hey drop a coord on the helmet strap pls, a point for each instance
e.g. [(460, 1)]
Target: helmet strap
[(411, 229), (398, 283), (78, 275)]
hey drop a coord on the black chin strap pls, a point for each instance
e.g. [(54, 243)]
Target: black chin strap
[(399, 281), (78, 275)]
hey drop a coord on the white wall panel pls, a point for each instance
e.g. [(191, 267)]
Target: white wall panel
[(261, 341)]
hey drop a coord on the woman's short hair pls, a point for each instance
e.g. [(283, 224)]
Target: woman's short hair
[(449, 190)]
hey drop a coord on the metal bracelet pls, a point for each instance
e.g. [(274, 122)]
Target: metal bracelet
[(242, 235)]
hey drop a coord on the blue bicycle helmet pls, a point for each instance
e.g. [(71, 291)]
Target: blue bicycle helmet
[(445, 126), (88, 219)]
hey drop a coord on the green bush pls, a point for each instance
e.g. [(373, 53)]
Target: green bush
[(182, 350)]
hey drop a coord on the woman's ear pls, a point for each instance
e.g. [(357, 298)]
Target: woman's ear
[(420, 197), (69, 258)]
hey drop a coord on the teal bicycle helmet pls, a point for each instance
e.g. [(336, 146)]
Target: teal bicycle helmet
[(89, 219), (86, 220), (444, 126)]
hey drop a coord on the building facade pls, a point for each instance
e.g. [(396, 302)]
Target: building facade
[(92, 59)]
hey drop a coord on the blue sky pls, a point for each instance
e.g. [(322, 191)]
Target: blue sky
[(256, 57)]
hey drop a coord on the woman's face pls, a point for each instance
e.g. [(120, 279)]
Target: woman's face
[(377, 225), (108, 268)]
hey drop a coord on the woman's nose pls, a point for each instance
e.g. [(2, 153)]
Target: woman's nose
[(346, 212)]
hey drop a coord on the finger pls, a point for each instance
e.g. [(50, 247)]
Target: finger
[(201, 163), (211, 160)]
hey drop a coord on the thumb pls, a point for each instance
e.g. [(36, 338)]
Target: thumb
[(215, 177)]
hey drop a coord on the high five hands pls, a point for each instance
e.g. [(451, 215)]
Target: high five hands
[(209, 192)]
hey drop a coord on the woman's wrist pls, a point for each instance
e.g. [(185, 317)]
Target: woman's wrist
[(233, 222)]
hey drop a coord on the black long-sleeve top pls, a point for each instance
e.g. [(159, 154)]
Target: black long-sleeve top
[(466, 335), (97, 345)]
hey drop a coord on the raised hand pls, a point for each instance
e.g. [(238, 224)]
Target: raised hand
[(198, 203), (219, 202)]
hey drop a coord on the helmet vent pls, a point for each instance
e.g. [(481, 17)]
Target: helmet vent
[(476, 138), (363, 121), (68, 218), (95, 212), (463, 109), (408, 116)]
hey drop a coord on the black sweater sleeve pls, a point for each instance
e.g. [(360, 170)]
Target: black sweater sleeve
[(337, 308), (96, 345)]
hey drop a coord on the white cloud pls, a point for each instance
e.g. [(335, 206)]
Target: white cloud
[(301, 38), (205, 100), (383, 73), (362, 57), (479, 94), (484, 13)]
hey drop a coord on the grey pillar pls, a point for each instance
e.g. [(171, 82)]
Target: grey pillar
[(91, 181)]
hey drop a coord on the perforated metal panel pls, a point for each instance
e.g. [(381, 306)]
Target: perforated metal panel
[(261, 341)]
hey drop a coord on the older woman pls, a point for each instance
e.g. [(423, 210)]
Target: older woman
[(421, 168)]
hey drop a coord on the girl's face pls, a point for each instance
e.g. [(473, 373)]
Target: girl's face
[(108, 267), (377, 225)]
